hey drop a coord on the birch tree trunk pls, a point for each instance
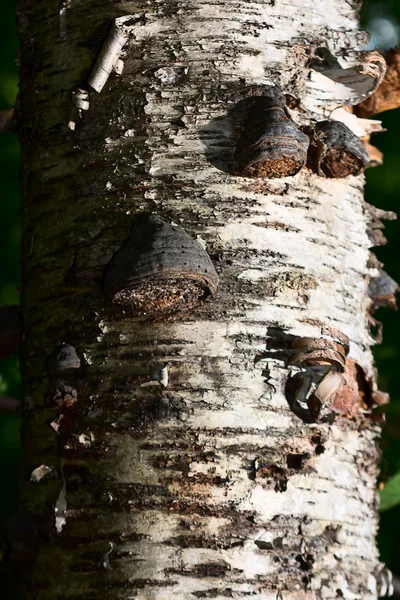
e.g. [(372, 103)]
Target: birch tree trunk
[(210, 485)]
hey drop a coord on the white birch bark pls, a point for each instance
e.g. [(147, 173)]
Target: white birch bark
[(209, 487)]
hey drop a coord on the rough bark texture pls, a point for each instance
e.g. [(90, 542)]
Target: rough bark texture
[(204, 484)]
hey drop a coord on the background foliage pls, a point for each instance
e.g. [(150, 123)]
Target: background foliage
[(382, 19)]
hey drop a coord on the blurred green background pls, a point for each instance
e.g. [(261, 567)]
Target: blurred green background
[(382, 20)]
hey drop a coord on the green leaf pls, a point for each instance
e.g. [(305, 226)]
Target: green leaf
[(390, 495)]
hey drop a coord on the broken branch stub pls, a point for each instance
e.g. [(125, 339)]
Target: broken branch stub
[(271, 144), (160, 269), (335, 151)]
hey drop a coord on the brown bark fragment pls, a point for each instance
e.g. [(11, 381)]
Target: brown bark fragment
[(387, 96)]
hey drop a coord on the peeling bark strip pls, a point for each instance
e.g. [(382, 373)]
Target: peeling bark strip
[(200, 481), (387, 95), (111, 50)]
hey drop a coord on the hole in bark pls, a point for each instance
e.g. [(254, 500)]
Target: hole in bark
[(306, 562), (295, 461), (251, 519), (281, 485), (272, 475), (319, 447), (263, 545)]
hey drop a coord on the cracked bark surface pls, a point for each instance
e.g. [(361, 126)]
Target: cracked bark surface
[(209, 486)]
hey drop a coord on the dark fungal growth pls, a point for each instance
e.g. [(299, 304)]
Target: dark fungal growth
[(335, 151), (271, 145), (159, 270)]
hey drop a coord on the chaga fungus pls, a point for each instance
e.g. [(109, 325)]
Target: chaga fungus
[(159, 270), (335, 151), (271, 145)]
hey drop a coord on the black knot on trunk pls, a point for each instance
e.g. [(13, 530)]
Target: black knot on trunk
[(335, 151), (160, 269), (271, 145)]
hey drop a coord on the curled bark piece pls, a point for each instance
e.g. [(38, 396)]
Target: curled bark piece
[(42, 472), (376, 214), (323, 362), (328, 386), (80, 101), (344, 86), (311, 352), (160, 269), (63, 362), (382, 290), (326, 389), (375, 329), (338, 336), (380, 398), (312, 344), (375, 155), (362, 128), (319, 357), (335, 151), (119, 34), (376, 237), (387, 95), (271, 145), (384, 579)]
